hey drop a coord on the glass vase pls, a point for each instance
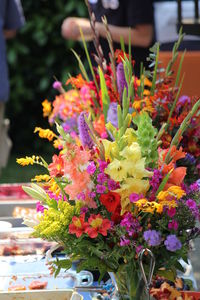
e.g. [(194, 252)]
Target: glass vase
[(129, 284)]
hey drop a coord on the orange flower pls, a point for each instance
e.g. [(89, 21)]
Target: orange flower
[(77, 81), (98, 225), (46, 106), (56, 168), (99, 126)]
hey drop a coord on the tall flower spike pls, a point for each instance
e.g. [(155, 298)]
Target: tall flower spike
[(84, 131), (121, 80)]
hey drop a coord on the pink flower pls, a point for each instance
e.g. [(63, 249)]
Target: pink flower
[(91, 168), (100, 188), (171, 212), (173, 225)]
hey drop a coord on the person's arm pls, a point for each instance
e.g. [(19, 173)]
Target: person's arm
[(9, 34), (141, 35)]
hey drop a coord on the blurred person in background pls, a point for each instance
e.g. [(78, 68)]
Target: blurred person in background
[(11, 19), (166, 18), (121, 16)]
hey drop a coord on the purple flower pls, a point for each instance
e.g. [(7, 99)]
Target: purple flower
[(91, 168), (84, 131), (173, 225), (102, 165), (183, 100), (172, 243), (135, 197), (40, 207), (155, 182), (92, 195), (121, 80), (139, 248), (101, 178), (130, 223), (124, 242), (57, 85), (81, 196), (191, 204), (112, 185), (152, 237), (100, 189), (112, 114)]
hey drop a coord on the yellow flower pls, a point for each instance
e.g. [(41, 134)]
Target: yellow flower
[(27, 160), (45, 133), (176, 191), (40, 178), (57, 144), (111, 149), (162, 196), (132, 152), (53, 187), (146, 206), (117, 169), (46, 106), (131, 185), (130, 136)]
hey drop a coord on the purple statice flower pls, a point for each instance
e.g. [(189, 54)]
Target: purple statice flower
[(112, 114), (124, 241), (102, 165), (40, 207), (121, 79), (84, 131), (112, 185), (154, 183), (91, 168), (171, 212), (135, 197), (84, 210), (101, 178), (172, 243), (57, 85), (152, 237), (130, 223), (182, 101), (173, 225), (100, 189)]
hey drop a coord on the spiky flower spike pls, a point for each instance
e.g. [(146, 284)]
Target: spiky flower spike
[(146, 137), (84, 132), (121, 79)]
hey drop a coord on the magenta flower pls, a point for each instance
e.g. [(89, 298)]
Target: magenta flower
[(91, 168), (124, 242), (191, 204), (135, 197), (57, 85), (112, 185), (40, 207), (171, 212), (84, 210), (101, 178), (102, 165), (92, 195), (100, 189), (173, 225)]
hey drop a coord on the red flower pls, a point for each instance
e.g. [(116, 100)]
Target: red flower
[(97, 225), (117, 217), (111, 201), (78, 225)]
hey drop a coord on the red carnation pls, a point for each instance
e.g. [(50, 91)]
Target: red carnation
[(111, 201)]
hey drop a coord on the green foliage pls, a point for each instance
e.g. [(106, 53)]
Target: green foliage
[(35, 56)]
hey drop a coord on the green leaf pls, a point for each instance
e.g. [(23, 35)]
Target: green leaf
[(104, 91), (164, 182), (168, 274)]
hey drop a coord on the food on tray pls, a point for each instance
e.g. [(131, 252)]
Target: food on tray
[(15, 288), (37, 285), (21, 212)]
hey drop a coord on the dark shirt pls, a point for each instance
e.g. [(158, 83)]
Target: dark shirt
[(11, 18), (124, 13)]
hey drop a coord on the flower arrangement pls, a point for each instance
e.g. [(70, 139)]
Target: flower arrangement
[(115, 187)]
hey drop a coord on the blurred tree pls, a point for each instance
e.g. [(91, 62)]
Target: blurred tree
[(37, 54)]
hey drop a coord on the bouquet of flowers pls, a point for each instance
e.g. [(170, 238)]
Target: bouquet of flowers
[(156, 91), (115, 187)]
